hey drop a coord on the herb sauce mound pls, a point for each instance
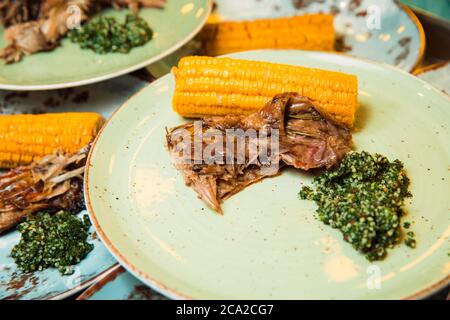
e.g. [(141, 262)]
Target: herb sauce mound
[(52, 240), (106, 34), (363, 197)]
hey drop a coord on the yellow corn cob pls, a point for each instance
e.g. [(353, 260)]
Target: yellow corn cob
[(208, 86), (25, 138), (308, 32)]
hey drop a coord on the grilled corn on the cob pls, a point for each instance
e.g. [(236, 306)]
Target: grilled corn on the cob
[(25, 138), (208, 86), (308, 32)]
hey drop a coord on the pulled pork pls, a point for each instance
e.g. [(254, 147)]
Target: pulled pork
[(18, 11), (305, 137), (39, 25), (53, 183)]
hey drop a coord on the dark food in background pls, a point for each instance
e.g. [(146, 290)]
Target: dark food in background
[(363, 197), (52, 240), (53, 183), (307, 140)]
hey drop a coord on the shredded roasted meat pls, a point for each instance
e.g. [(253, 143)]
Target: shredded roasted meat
[(30, 33), (18, 11), (53, 183), (307, 139), (134, 5)]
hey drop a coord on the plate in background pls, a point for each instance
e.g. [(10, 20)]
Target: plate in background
[(103, 98), (437, 74), (69, 66), (264, 248)]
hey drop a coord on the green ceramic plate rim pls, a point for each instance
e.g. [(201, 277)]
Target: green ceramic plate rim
[(423, 39), (431, 67), (173, 294), (107, 76)]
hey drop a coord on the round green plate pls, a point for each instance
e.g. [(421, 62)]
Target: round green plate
[(269, 244), (68, 65)]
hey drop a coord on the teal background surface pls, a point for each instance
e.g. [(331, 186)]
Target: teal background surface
[(440, 8)]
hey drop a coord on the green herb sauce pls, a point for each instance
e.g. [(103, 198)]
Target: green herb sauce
[(106, 34), (363, 198), (52, 240)]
